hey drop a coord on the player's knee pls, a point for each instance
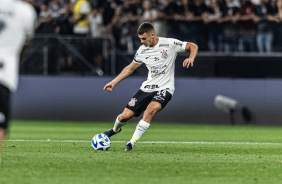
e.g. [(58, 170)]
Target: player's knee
[(153, 108), (151, 111)]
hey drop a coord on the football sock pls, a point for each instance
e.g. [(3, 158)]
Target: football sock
[(118, 125), (141, 128)]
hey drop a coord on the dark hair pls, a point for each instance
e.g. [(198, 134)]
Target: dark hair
[(145, 27)]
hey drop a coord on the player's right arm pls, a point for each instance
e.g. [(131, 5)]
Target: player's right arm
[(128, 70)]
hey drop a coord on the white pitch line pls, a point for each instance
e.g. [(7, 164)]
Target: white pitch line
[(151, 142)]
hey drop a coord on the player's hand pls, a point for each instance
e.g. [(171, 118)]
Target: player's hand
[(187, 62), (109, 87)]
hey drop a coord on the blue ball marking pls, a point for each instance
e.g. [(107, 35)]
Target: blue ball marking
[(94, 145), (100, 136)]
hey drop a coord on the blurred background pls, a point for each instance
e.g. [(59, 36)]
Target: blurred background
[(78, 48)]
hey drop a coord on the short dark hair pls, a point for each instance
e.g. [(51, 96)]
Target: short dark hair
[(145, 27)]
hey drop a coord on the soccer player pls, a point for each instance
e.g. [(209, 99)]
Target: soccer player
[(158, 54), (17, 22)]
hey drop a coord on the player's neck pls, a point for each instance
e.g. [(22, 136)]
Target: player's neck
[(155, 42)]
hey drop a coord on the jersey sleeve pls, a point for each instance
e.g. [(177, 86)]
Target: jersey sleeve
[(138, 57), (177, 45)]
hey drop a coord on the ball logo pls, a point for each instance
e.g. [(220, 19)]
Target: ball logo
[(164, 54), (132, 102)]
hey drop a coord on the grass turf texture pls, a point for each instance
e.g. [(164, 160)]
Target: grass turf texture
[(211, 154)]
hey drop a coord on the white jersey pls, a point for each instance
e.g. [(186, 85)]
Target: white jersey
[(17, 22), (160, 61)]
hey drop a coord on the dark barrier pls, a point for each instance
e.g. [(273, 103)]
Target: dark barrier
[(237, 65), (82, 99)]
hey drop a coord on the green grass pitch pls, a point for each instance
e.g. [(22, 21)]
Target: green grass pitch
[(61, 152)]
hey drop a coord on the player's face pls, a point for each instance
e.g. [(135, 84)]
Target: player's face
[(147, 39)]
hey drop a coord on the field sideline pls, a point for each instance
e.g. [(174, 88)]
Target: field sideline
[(60, 152)]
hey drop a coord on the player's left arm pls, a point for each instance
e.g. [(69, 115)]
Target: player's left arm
[(193, 48)]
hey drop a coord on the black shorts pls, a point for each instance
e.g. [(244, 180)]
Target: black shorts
[(141, 100), (4, 106)]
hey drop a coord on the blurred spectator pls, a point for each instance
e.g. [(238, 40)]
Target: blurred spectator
[(172, 13), (212, 18), (198, 7), (110, 10), (247, 27), (275, 14), (56, 8), (96, 21), (64, 21), (152, 14), (149, 14), (81, 30), (45, 23), (230, 26), (81, 12), (265, 32), (114, 26), (65, 27), (188, 23), (126, 26), (184, 26)]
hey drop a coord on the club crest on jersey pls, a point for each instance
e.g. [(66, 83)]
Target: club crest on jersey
[(164, 54), (132, 102)]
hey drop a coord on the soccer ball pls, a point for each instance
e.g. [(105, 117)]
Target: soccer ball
[(101, 142)]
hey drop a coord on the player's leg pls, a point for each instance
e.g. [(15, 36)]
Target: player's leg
[(4, 113), (135, 107), (151, 110), (143, 124), (121, 120), (158, 102)]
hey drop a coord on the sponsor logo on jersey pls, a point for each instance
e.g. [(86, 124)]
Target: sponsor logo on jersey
[(148, 57), (151, 86), (132, 102), (164, 54), (156, 71), (178, 43), (156, 59), (164, 45)]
